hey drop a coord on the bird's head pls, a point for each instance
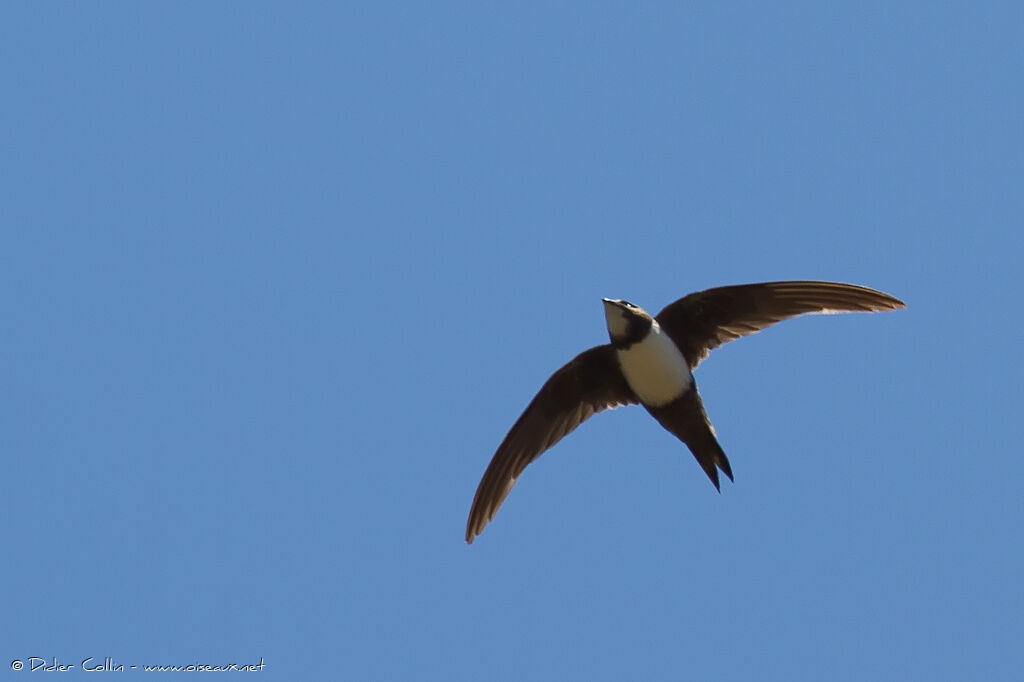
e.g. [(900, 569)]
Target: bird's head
[(627, 323)]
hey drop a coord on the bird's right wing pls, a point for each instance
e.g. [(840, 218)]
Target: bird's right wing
[(589, 383)]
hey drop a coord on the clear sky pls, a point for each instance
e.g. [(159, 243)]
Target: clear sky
[(276, 279)]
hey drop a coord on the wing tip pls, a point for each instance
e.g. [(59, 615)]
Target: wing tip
[(478, 520)]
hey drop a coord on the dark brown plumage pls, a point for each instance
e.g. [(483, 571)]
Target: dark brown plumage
[(580, 389), (686, 419), (703, 321), (593, 381)]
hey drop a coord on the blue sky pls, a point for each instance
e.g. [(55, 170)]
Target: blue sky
[(277, 279)]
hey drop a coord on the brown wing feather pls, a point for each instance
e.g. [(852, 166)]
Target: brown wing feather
[(705, 320), (589, 383)]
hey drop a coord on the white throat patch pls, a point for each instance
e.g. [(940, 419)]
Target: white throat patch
[(615, 317), (655, 369)]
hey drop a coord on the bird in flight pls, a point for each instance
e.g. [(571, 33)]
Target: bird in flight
[(650, 362)]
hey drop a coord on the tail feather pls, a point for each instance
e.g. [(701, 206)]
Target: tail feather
[(710, 456), (686, 419)]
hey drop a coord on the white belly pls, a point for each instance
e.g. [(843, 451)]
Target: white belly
[(655, 369)]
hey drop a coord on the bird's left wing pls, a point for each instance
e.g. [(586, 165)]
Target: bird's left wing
[(704, 320), (589, 383)]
